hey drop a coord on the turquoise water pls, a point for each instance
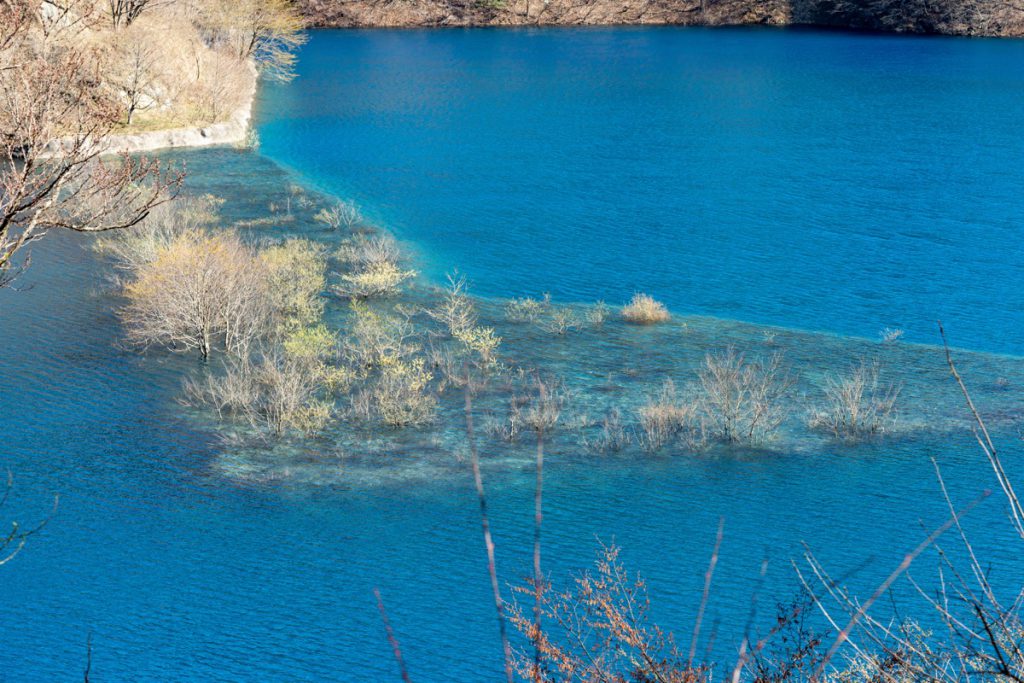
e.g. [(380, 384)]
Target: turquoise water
[(808, 180)]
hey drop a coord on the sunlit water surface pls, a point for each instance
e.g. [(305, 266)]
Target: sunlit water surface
[(810, 181)]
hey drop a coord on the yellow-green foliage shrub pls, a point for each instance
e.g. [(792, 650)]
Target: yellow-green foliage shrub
[(400, 395), (481, 341), (458, 314), (297, 273), (527, 309), (375, 337), (317, 348), (375, 280), (310, 344), (384, 352)]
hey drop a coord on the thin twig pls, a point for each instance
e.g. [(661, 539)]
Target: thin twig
[(985, 441), (391, 636), (707, 591), (488, 542), (88, 658), (538, 517), (884, 586)]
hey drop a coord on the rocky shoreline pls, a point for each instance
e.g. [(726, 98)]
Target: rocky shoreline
[(231, 131)]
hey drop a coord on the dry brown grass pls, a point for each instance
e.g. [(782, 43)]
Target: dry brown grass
[(644, 310)]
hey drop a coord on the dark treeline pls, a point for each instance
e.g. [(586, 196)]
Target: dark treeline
[(953, 17)]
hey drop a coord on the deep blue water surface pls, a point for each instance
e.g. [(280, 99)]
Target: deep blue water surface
[(826, 181), (810, 180)]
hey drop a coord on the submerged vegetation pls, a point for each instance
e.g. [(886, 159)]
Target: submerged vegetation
[(302, 340)]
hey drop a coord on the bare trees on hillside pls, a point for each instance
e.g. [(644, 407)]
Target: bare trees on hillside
[(52, 113), (267, 31), (124, 12)]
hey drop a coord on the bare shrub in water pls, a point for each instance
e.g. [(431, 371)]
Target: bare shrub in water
[(399, 395), (890, 335), (290, 395), (507, 427), (376, 338), (598, 313), (856, 405), (614, 436), (545, 405), (644, 310), (363, 251), (383, 349), (742, 401), (667, 416), (527, 309), (288, 388), (275, 392), (540, 409), (557, 320), (199, 291), (340, 215), (449, 364), (377, 280)]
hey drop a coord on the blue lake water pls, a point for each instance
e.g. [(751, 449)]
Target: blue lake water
[(827, 181), (807, 180)]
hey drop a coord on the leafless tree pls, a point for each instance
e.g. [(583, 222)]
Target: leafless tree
[(134, 249), (124, 12), (268, 31), (14, 17), (201, 291), (136, 71)]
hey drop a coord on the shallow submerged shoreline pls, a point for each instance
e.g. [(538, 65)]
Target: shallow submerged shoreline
[(598, 370)]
